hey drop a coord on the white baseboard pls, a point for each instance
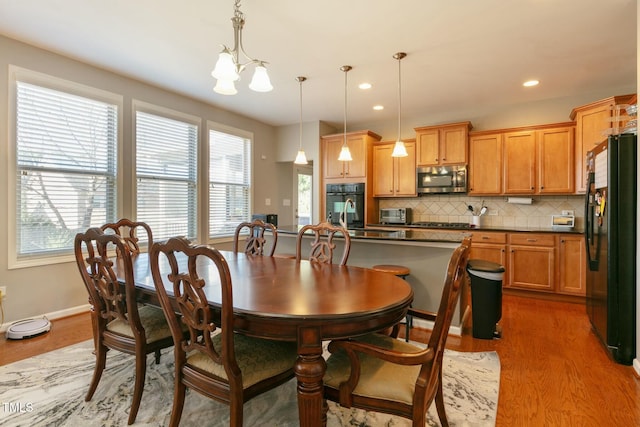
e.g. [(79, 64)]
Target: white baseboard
[(53, 315), (636, 366), (426, 324)]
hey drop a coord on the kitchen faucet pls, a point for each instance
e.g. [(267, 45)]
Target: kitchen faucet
[(343, 215)]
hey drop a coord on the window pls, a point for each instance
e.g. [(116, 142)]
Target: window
[(66, 139), (166, 172), (229, 181)]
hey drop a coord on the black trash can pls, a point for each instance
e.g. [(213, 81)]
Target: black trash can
[(486, 297)]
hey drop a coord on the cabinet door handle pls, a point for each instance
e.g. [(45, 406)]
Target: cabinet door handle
[(485, 237), (532, 240)]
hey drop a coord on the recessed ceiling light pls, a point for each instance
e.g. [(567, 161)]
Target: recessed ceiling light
[(378, 107), (364, 85), (530, 83)]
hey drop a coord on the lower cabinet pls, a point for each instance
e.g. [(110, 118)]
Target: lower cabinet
[(553, 263), (572, 265), (532, 261)]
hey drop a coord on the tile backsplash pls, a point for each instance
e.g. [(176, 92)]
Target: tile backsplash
[(500, 213)]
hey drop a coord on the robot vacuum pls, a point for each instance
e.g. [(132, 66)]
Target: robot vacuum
[(28, 328)]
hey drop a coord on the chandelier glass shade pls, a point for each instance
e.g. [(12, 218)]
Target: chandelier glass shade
[(399, 149), (301, 158), (228, 67), (345, 154)]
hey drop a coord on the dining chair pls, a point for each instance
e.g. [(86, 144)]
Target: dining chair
[(118, 322), (129, 230), (323, 244), (212, 360), (381, 373), (256, 242)]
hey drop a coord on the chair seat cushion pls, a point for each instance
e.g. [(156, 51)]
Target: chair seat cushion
[(153, 321), (378, 379), (257, 358)]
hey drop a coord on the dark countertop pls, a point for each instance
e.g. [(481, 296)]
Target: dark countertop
[(507, 229), (380, 233)]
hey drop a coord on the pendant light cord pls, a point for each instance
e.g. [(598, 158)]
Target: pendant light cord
[(346, 70), (301, 79), (399, 98)]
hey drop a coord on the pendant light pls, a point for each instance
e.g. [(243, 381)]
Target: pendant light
[(345, 154), (301, 158), (399, 150)]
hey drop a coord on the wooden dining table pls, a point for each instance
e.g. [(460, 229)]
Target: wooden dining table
[(283, 299)]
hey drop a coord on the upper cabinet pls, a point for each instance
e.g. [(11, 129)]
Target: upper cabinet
[(592, 122), (527, 161), (359, 144), (394, 176), (443, 144), (485, 164)]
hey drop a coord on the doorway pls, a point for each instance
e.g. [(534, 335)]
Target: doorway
[(303, 194)]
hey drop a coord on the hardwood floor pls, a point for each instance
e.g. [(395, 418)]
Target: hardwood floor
[(554, 371)]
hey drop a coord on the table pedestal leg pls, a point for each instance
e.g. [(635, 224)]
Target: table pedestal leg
[(309, 371)]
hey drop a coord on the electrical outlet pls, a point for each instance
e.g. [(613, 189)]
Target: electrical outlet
[(493, 213), (3, 292)]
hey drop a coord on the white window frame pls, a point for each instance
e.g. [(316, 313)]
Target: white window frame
[(17, 74), (218, 127), (145, 107)]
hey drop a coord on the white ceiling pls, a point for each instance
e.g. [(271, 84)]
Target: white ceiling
[(468, 54)]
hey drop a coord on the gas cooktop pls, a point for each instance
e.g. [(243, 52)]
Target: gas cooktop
[(430, 224)]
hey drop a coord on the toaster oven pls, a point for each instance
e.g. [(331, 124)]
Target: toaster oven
[(400, 216)]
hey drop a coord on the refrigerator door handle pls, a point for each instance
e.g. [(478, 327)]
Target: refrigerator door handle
[(589, 234)]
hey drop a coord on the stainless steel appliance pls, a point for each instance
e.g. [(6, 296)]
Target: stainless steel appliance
[(337, 204), (441, 179), (610, 236), (395, 216)]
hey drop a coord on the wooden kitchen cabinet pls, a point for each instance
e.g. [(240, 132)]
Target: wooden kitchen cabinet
[(519, 162), (359, 144), (485, 164), (394, 176), (531, 259), (443, 144), (556, 160), (592, 122), (491, 246), (572, 265), (526, 161)]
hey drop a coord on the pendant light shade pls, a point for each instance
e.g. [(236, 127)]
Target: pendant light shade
[(399, 149), (345, 154), (301, 158)]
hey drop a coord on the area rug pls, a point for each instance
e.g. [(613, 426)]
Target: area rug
[(49, 390)]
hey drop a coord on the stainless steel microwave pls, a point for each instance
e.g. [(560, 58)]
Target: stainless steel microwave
[(441, 179)]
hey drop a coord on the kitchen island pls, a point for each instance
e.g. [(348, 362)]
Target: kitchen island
[(425, 252)]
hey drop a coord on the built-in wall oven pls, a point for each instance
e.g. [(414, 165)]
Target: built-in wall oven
[(337, 197)]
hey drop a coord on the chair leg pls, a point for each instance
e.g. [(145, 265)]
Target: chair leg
[(179, 391), (408, 326), (138, 388), (101, 361), (235, 410), (442, 415), (157, 354)]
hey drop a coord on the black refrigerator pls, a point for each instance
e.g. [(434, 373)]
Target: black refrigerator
[(610, 235)]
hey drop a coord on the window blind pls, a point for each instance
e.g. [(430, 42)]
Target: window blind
[(166, 171), (66, 165), (229, 182)]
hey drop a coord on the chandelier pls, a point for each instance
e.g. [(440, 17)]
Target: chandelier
[(229, 67), (399, 149)]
